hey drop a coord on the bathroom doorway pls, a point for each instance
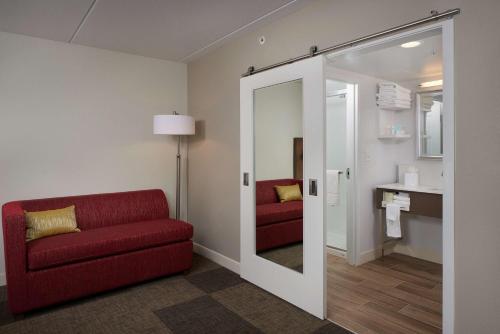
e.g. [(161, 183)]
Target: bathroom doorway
[(378, 282)]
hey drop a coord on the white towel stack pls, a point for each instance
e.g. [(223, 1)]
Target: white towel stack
[(403, 200), (426, 103), (392, 96)]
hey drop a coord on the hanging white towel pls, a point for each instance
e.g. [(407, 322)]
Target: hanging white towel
[(332, 187), (392, 217)]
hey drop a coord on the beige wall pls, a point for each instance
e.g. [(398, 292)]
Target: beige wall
[(213, 85), (277, 120), (79, 120)]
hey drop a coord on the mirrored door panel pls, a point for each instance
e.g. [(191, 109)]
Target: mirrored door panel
[(278, 118), (282, 170)]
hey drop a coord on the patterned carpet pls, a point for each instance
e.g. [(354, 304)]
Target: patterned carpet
[(210, 299)]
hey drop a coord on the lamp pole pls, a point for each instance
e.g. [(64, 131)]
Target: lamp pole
[(178, 185), (176, 125)]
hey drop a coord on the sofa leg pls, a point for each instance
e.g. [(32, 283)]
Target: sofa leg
[(186, 272)]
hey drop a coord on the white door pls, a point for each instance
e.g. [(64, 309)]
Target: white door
[(282, 112)]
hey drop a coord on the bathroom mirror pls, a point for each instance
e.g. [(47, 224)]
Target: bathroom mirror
[(430, 124), (278, 118)]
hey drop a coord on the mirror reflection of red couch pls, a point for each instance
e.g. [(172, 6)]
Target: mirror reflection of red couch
[(277, 224)]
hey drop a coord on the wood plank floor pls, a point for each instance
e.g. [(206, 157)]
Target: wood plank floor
[(393, 294)]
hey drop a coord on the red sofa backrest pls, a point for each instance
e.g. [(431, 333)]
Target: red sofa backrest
[(99, 210), (265, 192)]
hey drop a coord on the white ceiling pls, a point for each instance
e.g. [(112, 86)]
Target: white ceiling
[(176, 30), (395, 63)]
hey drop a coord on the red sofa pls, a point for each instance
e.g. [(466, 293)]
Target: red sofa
[(125, 238), (277, 224)]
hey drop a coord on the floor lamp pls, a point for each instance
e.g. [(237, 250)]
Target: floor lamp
[(176, 125)]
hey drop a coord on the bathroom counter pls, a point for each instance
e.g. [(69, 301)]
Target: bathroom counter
[(418, 189), (424, 201)]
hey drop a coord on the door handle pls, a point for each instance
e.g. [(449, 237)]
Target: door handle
[(313, 187), (348, 173), (245, 179)]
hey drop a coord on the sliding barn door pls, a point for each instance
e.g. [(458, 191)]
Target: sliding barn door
[(282, 243)]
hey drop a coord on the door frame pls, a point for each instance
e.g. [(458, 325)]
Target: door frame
[(305, 290), (447, 30), (351, 163)]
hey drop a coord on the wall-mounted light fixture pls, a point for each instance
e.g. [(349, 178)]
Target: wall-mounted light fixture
[(411, 44), (433, 83)]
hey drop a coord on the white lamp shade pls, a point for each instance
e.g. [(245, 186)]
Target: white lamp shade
[(173, 125)]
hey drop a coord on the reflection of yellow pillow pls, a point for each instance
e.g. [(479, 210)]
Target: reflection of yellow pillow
[(289, 193), (41, 224)]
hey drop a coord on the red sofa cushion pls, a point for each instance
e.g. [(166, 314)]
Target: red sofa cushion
[(278, 234), (100, 210), (278, 212), (105, 241), (265, 192)]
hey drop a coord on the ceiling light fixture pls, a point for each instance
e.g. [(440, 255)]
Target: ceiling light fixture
[(411, 44), (431, 83)]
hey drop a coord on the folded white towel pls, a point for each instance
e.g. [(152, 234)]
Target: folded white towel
[(383, 98), (403, 205), (394, 103), (401, 201), (393, 223), (395, 94), (401, 198), (390, 90), (391, 85), (394, 106), (332, 187)]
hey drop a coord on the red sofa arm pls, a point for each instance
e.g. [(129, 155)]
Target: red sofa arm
[(14, 243)]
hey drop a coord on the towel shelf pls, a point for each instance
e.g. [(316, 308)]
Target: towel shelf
[(423, 204)]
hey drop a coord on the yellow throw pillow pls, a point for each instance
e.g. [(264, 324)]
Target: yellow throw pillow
[(41, 224), (289, 193)]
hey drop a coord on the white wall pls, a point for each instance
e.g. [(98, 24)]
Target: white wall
[(423, 235), (78, 120), (277, 120)]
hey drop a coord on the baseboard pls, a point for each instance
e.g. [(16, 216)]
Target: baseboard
[(3, 279), (217, 257), (335, 252), (374, 254), (423, 254), (395, 247)]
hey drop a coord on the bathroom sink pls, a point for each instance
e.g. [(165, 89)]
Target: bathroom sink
[(422, 188)]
